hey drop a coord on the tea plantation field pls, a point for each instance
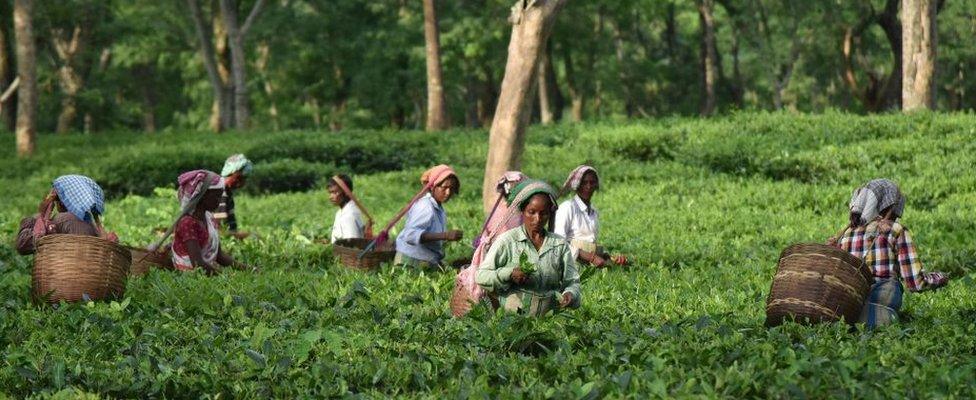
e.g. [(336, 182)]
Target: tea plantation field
[(703, 206)]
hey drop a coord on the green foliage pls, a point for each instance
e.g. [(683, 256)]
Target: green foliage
[(686, 320), (288, 175), (341, 64)]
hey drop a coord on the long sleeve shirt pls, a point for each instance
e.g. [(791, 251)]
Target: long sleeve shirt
[(64, 223), (348, 223), (892, 251), (425, 216), (555, 267), (578, 223)]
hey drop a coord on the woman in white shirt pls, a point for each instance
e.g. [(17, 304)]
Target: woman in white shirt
[(348, 222), (579, 222)]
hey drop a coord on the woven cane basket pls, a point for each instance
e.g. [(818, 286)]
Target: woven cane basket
[(461, 301), (347, 250), (817, 283), (78, 267), (143, 260)]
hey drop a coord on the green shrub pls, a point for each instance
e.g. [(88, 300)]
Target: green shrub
[(287, 175)]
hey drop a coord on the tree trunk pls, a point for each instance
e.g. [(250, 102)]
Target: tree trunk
[(630, 108), (546, 113), (69, 79), (671, 30), (7, 73), (264, 56), (236, 33), (471, 95), (487, 98), (144, 73), (709, 57), (27, 72), (207, 52), (918, 22), (577, 102), (532, 23), (436, 105)]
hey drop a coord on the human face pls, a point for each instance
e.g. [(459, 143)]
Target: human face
[(536, 214), (336, 196), (236, 180), (444, 191), (210, 200), (588, 185)]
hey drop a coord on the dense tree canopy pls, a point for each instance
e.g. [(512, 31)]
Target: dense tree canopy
[(331, 64)]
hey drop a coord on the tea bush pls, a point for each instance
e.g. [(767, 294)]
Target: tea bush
[(702, 206)]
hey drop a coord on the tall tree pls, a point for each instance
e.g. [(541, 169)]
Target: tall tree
[(7, 72), (709, 57), (27, 73), (69, 49), (919, 40), (209, 56), (436, 105), (532, 22), (882, 90), (236, 33)]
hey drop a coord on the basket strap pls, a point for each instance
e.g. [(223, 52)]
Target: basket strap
[(42, 223)]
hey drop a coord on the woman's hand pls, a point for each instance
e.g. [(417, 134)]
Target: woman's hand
[(518, 276), (210, 270), (936, 279), (566, 300), (598, 261), (619, 259)]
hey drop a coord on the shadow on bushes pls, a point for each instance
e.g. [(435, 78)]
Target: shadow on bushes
[(282, 164)]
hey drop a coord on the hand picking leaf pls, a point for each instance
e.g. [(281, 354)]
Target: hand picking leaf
[(527, 267)]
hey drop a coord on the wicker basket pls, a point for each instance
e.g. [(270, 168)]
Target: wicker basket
[(817, 283), (461, 301), (143, 260), (77, 267), (347, 250)]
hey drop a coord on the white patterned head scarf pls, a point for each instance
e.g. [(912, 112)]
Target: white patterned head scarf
[(235, 163), (868, 201), (575, 177)]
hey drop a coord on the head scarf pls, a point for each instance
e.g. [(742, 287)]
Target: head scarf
[(868, 201), (235, 163), (430, 178), (522, 192), (434, 176), (192, 186), (573, 181), (81, 196), (508, 181), (517, 194)]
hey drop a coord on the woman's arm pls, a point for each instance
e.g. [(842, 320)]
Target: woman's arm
[(916, 279), (494, 274), (571, 282), (419, 219), (225, 259), (196, 257), (592, 258), (25, 236)]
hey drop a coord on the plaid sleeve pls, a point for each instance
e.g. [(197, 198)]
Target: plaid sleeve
[(911, 266)]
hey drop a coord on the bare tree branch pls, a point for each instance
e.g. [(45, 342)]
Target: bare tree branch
[(255, 12)]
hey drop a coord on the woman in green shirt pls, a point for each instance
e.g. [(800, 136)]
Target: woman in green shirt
[(529, 269)]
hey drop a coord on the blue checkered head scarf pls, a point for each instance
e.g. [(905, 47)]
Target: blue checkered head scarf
[(81, 196)]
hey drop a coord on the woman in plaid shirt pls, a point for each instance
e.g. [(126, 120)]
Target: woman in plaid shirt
[(886, 246)]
